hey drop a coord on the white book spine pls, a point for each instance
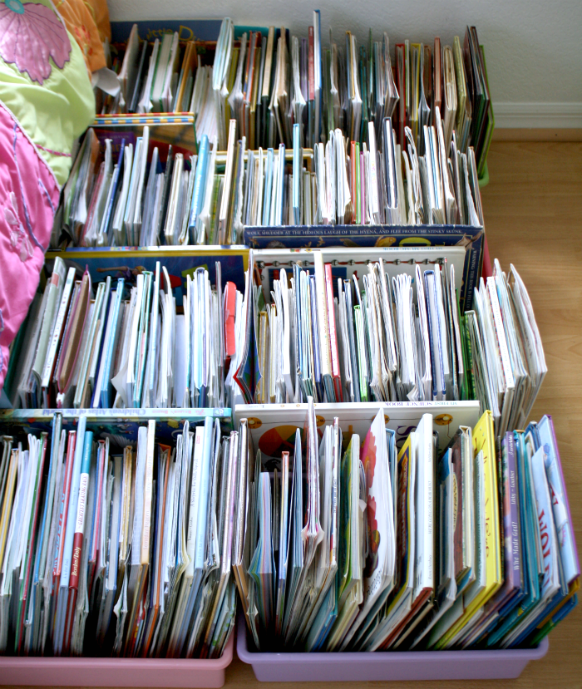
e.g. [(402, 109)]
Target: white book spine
[(500, 333), (194, 494), (147, 493), (57, 330), (322, 316)]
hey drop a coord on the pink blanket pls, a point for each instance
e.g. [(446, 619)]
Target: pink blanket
[(29, 196)]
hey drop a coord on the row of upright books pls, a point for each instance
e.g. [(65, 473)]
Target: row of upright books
[(337, 142), (269, 81), (387, 325), (365, 546), (336, 529), (128, 189), (122, 541), (309, 571)]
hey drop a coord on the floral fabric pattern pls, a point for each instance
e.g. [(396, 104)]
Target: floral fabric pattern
[(28, 196), (88, 22), (31, 34), (18, 239)]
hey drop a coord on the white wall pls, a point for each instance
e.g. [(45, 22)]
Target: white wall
[(533, 47)]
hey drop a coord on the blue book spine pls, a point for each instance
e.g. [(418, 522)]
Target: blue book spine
[(55, 442), (201, 523), (113, 195), (110, 345), (108, 307), (87, 447), (199, 185)]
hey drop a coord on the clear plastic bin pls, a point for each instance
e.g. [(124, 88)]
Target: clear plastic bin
[(383, 667)]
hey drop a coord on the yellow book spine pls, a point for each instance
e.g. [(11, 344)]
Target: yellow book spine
[(484, 441), (9, 493)]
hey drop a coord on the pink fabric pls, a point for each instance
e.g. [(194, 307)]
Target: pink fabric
[(29, 196), (30, 34)]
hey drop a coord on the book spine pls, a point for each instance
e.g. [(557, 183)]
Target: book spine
[(111, 343), (429, 506), (81, 508), (248, 70), (78, 540), (364, 210), (322, 316), (458, 471), (126, 503), (73, 504), (500, 333), (94, 543), (9, 488), (357, 196), (229, 319), (58, 562), (194, 491), (311, 65), (148, 487), (30, 542), (511, 528), (437, 89), (483, 440), (199, 184), (74, 336), (203, 492), (57, 331), (574, 569), (335, 370), (353, 182)]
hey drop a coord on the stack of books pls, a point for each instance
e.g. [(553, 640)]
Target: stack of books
[(126, 343)]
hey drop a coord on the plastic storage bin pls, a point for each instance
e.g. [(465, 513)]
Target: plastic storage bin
[(116, 672), (270, 427), (105, 671), (374, 667)]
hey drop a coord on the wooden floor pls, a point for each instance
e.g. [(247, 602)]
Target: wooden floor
[(533, 214)]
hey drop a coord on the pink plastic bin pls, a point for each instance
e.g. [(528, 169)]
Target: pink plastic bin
[(116, 672), (373, 667)]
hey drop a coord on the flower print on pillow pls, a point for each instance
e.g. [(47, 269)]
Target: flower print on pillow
[(18, 238), (30, 34)]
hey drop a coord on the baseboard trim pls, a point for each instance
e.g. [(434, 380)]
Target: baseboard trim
[(537, 115)]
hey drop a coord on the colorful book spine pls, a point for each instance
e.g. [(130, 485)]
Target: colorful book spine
[(199, 185), (78, 536)]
